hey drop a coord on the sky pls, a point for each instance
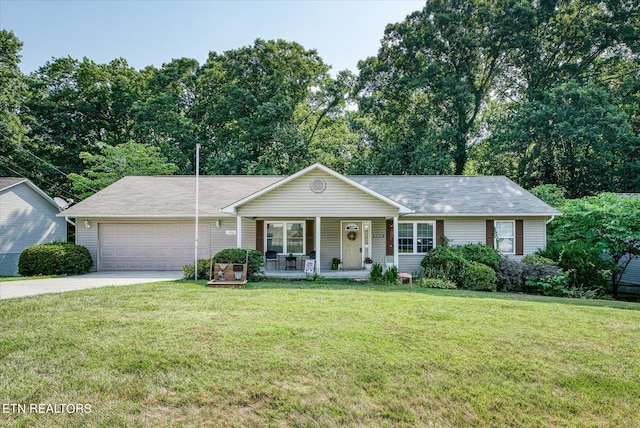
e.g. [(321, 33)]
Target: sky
[(150, 32)]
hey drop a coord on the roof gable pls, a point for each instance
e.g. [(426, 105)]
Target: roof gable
[(231, 209), (7, 183)]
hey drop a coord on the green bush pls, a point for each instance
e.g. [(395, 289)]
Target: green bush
[(390, 276), (375, 275), (481, 253), (549, 285), (443, 262), (435, 283), (477, 276), (56, 258), (238, 255), (203, 270), (588, 271), (228, 255)]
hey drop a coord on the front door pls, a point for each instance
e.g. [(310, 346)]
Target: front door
[(352, 245)]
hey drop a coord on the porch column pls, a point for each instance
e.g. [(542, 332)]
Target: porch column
[(317, 246), (239, 232), (395, 241)]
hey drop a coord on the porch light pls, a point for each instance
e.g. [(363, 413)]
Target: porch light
[(87, 224)]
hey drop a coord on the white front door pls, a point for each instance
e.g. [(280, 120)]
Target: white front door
[(352, 245)]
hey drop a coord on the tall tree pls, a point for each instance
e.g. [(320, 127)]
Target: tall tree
[(575, 137), (432, 76), (12, 92), (163, 119), (80, 106), (245, 106)]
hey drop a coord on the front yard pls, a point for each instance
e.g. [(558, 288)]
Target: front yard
[(327, 354)]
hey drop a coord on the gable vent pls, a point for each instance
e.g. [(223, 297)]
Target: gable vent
[(318, 185)]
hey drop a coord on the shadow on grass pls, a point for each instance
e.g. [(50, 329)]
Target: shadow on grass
[(341, 284)]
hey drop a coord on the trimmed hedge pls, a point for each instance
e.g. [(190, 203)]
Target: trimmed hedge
[(477, 276), (56, 258)]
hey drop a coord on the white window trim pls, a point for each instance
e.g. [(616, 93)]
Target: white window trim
[(415, 236), (497, 238), (284, 224)]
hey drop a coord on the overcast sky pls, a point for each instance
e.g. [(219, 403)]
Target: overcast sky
[(146, 32)]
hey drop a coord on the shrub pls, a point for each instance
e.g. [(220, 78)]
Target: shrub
[(509, 275), (549, 285), (238, 255), (477, 276), (228, 255), (56, 258), (203, 270), (443, 262), (436, 283), (390, 276), (375, 275), (587, 270), (481, 253)]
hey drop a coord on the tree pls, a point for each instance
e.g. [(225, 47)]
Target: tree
[(78, 106), (12, 91), (575, 137), (116, 162), (610, 222), (245, 107), (163, 119), (433, 74)]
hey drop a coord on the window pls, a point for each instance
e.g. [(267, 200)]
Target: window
[(415, 238), (505, 236), (285, 237)]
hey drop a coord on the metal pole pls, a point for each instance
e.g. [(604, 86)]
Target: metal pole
[(195, 264)]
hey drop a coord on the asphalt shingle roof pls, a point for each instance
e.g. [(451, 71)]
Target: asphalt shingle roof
[(174, 196), (458, 195), (168, 196), (10, 181)]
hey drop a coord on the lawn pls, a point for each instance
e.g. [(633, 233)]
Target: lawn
[(317, 354)]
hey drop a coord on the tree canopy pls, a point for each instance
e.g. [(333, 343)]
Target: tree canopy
[(545, 92)]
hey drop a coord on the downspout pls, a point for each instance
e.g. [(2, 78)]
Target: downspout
[(551, 219), (70, 222)]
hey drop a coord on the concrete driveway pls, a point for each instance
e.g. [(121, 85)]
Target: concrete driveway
[(10, 289)]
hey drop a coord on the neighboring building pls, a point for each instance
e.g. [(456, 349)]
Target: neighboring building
[(27, 218), (147, 223)]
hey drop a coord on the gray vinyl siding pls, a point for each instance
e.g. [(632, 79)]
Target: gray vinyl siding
[(219, 237), (26, 219), (535, 235), (379, 245), (465, 231), (296, 199), (88, 238), (330, 241), (632, 274)]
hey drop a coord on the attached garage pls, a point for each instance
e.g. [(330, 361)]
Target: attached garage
[(162, 246)]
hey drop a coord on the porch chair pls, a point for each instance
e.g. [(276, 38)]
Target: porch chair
[(271, 256)]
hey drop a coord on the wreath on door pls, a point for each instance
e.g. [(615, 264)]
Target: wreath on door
[(351, 236)]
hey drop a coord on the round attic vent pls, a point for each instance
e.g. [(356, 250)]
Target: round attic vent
[(318, 185)]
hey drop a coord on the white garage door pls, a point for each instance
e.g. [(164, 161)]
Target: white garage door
[(151, 246)]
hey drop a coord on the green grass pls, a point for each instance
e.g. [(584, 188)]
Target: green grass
[(319, 354), (24, 278)]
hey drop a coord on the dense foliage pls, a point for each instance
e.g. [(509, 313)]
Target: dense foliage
[(605, 227), (543, 92), (57, 258)]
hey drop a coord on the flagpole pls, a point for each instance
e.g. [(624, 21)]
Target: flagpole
[(195, 264)]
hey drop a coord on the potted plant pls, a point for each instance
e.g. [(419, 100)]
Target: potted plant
[(368, 262), (335, 263)]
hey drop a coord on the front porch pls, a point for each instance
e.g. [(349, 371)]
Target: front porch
[(294, 275)]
